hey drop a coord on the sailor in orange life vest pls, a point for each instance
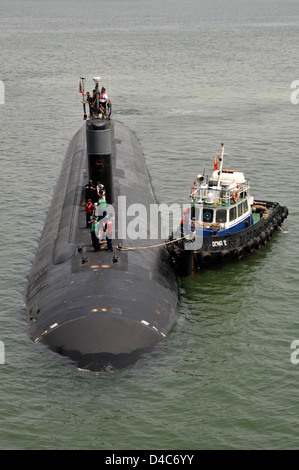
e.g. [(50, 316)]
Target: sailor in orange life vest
[(185, 221), (104, 99), (107, 228), (89, 211)]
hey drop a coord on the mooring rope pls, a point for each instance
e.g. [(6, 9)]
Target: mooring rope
[(128, 248)]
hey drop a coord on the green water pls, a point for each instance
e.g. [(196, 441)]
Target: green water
[(184, 78)]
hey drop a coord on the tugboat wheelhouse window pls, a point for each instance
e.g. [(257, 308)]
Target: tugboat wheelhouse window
[(207, 215), (221, 215), (233, 213), (240, 209)]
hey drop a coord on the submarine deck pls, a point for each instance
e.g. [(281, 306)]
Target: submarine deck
[(82, 302)]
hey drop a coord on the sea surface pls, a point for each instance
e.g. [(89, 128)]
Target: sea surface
[(185, 77)]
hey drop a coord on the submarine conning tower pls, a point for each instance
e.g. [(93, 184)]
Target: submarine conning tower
[(99, 154)]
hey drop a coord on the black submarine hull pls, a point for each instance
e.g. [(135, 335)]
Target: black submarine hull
[(101, 309)]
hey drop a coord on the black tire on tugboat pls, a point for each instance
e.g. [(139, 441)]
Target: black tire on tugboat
[(285, 212), (272, 229), (224, 255), (257, 243), (239, 253), (205, 258), (268, 234), (263, 238), (250, 246), (279, 221)]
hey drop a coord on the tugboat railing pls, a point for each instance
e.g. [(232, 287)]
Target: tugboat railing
[(225, 196)]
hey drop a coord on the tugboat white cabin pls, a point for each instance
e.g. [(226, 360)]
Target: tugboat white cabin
[(225, 200)]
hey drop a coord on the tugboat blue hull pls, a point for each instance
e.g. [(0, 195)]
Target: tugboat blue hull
[(218, 248), (235, 245), (99, 308)]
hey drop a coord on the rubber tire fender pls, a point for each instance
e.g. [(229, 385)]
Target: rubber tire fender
[(250, 246), (263, 238), (205, 258), (257, 242), (224, 255), (239, 253), (285, 212)]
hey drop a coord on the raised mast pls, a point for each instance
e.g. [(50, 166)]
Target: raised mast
[(221, 166), (97, 81)]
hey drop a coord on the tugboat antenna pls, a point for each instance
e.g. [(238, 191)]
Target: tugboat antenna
[(221, 166)]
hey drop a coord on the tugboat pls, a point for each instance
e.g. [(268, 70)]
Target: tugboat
[(223, 221)]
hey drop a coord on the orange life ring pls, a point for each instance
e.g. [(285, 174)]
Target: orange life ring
[(235, 195)]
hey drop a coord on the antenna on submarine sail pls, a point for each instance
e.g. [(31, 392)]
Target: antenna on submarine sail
[(81, 90), (97, 81)]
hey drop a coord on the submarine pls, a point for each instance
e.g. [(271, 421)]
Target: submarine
[(102, 308)]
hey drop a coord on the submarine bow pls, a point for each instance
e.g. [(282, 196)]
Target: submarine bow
[(100, 308)]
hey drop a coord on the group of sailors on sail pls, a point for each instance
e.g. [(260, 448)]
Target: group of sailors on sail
[(97, 219), (99, 104)]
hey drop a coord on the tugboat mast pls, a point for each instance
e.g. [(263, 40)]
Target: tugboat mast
[(221, 166)]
